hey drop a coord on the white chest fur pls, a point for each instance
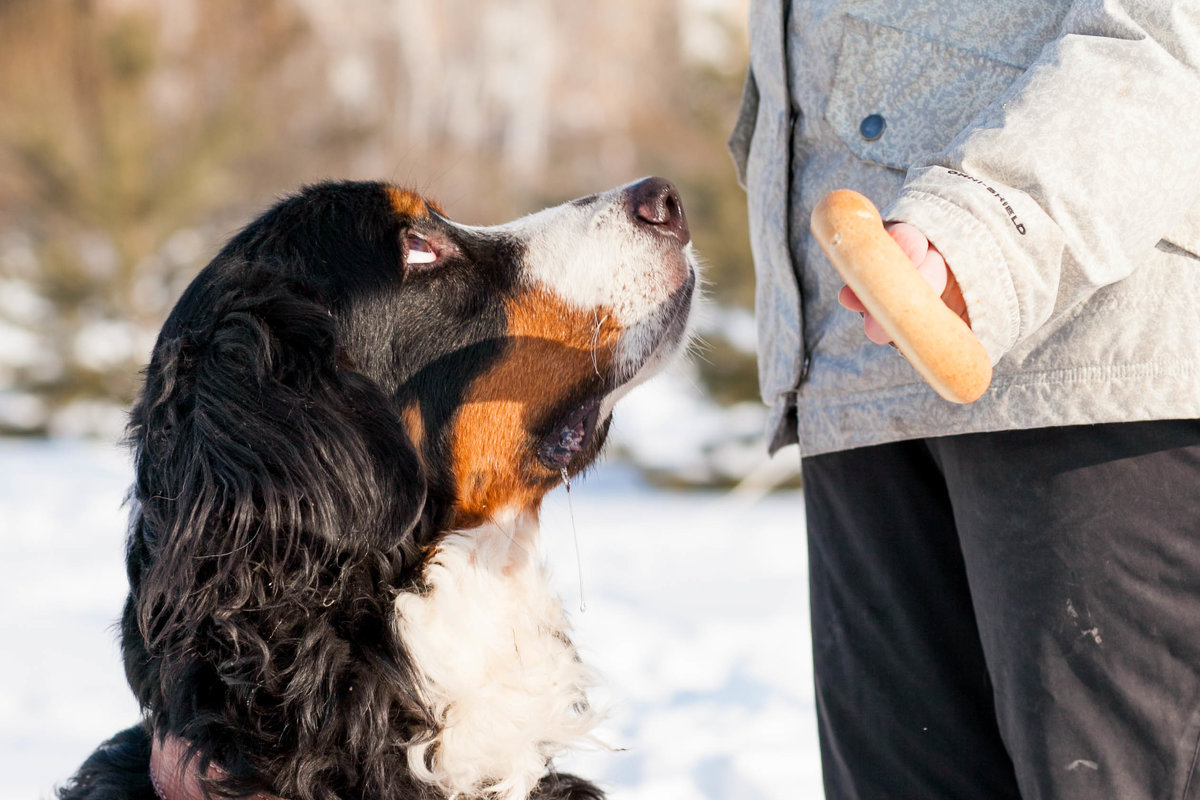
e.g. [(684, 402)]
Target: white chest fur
[(498, 669)]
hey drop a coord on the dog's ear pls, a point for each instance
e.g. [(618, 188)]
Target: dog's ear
[(251, 434), (251, 424)]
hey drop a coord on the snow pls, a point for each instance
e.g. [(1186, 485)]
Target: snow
[(671, 427), (696, 617)]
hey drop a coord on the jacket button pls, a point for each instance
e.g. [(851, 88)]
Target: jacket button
[(872, 127)]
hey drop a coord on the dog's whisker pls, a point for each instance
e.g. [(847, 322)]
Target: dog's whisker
[(596, 344), (514, 540)]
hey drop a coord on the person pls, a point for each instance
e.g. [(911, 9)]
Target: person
[(1005, 595)]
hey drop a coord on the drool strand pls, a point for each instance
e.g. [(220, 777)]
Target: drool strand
[(575, 534)]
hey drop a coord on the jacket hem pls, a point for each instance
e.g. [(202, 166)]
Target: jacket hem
[(1085, 395)]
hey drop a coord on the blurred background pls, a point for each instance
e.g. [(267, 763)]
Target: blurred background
[(136, 136)]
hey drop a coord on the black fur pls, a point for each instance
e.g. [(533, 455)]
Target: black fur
[(118, 770), (279, 505)]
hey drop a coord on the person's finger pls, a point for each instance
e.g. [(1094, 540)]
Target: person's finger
[(850, 300), (911, 240), (933, 270), (953, 298), (875, 331)]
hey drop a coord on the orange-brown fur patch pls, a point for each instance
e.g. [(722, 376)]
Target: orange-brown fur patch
[(554, 349), (410, 204), (414, 426)]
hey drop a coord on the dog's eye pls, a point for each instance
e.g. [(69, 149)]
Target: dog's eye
[(418, 250)]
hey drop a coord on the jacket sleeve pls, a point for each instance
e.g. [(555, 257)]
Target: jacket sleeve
[(1061, 186)]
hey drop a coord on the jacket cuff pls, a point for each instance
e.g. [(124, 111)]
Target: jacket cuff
[(976, 260)]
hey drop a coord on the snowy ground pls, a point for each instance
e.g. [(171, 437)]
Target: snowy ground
[(696, 614)]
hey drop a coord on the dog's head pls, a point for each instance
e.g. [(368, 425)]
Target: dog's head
[(354, 347), (517, 340)]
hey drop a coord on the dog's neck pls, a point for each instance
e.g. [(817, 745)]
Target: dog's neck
[(498, 669)]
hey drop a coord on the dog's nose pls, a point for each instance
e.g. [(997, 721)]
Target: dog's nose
[(655, 203)]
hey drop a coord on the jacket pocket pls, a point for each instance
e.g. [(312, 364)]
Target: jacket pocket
[(898, 98)]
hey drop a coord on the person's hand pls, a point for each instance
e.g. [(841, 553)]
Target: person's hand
[(931, 266)]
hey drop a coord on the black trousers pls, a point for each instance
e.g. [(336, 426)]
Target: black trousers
[(1009, 615)]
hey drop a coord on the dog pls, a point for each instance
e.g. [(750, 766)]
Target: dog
[(345, 431)]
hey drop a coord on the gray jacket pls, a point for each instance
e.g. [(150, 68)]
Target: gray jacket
[(1051, 151)]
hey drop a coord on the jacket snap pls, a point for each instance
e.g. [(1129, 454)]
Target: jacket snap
[(872, 127)]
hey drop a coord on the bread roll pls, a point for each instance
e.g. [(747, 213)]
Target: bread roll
[(931, 336)]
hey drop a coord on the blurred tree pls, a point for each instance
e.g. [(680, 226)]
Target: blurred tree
[(103, 172)]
